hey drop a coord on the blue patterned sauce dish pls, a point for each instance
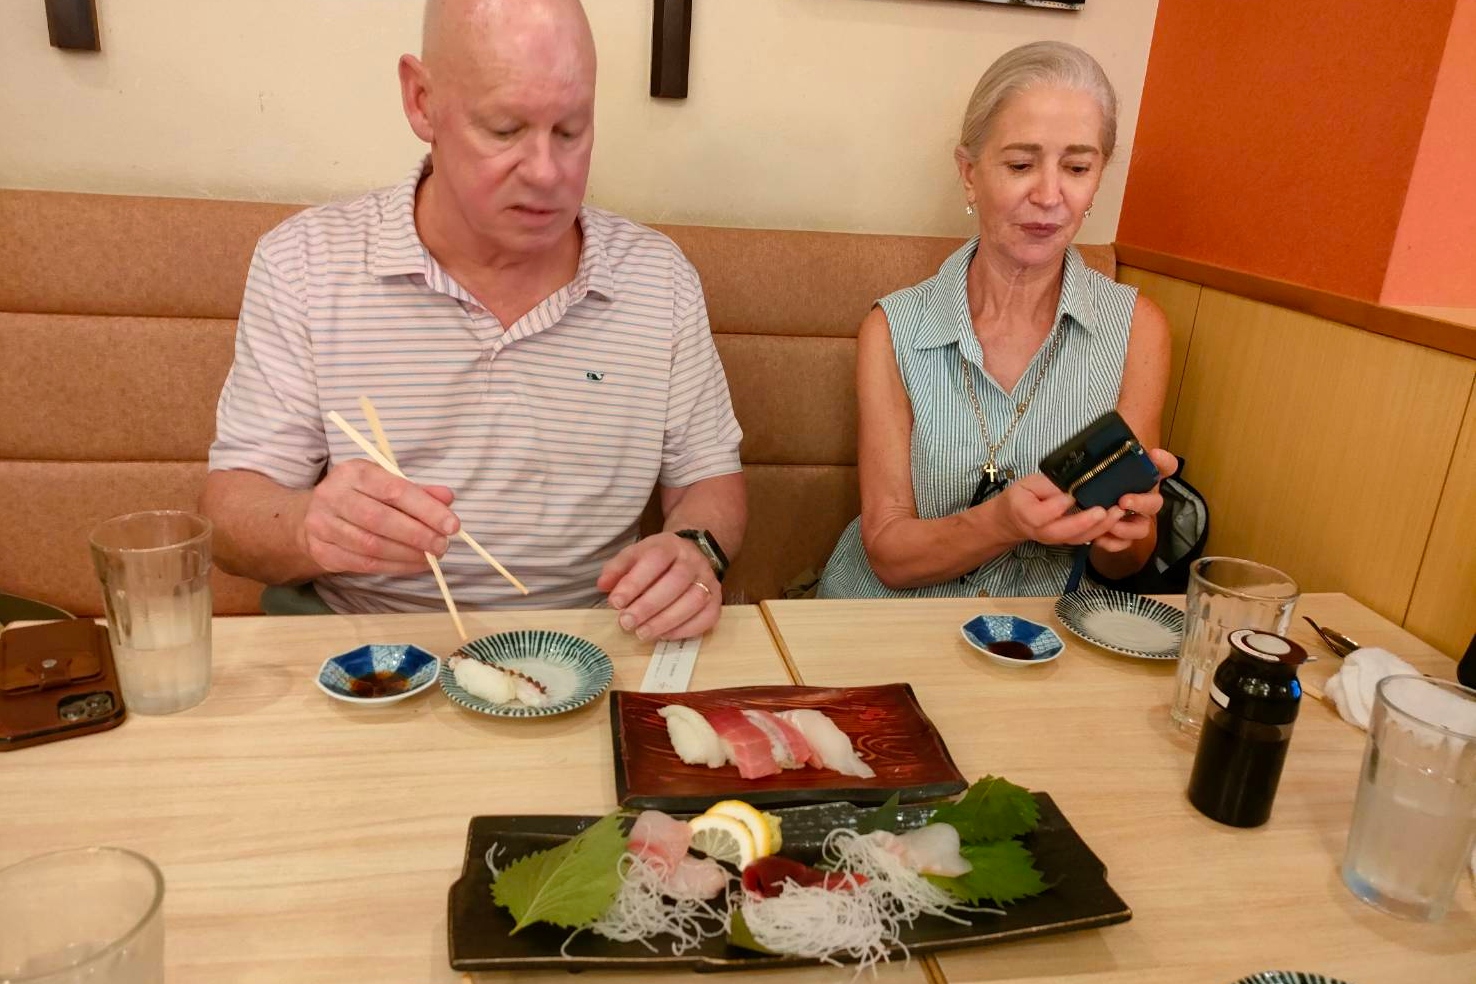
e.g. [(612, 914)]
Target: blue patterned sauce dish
[(1012, 641), (378, 674)]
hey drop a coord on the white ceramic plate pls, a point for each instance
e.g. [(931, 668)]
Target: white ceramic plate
[(1123, 623)]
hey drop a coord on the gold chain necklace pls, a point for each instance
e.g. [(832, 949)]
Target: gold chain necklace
[(991, 466)]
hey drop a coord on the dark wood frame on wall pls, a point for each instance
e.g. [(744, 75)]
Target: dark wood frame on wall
[(671, 48), (72, 24)]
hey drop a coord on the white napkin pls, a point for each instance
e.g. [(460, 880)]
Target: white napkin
[(1352, 687)]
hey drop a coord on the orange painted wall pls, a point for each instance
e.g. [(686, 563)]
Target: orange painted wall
[(1278, 137), (1433, 261)]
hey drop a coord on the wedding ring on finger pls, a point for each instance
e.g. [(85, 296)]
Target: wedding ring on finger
[(705, 589)]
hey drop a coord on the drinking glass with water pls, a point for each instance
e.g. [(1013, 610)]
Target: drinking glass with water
[(155, 574), (1224, 594), (1414, 822)]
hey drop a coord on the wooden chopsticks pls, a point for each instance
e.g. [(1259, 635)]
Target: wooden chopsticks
[(385, 460), (372, 415)]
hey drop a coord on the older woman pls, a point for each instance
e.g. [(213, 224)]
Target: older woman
[(967, 380)]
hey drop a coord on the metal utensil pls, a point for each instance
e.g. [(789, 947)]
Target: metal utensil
[(1340, 644)]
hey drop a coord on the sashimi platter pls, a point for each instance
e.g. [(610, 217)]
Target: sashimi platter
[(773, 826)]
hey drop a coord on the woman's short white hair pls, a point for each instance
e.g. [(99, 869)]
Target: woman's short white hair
[(1050, 63)]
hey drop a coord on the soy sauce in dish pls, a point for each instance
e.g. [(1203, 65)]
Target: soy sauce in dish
[(381, 683), (1010, 649)]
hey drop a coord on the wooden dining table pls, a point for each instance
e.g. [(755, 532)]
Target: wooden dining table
[(309, 840), (1211, 903)]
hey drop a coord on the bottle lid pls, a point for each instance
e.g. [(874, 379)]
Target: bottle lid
[(1268, 646)]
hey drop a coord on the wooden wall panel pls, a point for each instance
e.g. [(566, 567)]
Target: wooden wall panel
[(1180, 302), (1322, 449), (1443, 609)]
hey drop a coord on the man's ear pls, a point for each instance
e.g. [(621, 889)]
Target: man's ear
[(414, 95)]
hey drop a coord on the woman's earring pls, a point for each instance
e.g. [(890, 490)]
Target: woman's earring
[(1088, 213), (969, 209)]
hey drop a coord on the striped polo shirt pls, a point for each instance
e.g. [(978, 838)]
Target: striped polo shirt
[(551, 431), (932, 337)]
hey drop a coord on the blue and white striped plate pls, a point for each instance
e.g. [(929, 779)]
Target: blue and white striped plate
[(574, 670), (1124, 623), (1287, 977)]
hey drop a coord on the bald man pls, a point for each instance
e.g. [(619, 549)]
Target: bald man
[(540, 365)]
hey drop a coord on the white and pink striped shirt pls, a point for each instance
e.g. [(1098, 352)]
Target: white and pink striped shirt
[(552, 432)]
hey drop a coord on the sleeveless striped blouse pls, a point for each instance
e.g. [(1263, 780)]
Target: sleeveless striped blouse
[(930, 328)]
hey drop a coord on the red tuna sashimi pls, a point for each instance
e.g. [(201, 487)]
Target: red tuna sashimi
[(660, 838), (747, 746), (796, 751)]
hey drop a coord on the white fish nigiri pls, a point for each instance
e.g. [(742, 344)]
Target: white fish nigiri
[(496, 684), (930, 850), (695, 741), (829, 742)]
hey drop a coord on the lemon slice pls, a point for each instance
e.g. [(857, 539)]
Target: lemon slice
[(763, 826), (723, 838)]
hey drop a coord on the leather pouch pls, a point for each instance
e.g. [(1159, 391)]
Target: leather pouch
[(1101, 464), (57, 680)]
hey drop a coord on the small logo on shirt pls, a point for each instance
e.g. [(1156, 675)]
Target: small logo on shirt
[(592, 376)]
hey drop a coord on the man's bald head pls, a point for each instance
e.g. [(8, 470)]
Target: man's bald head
[(502, 30), (504, 93)]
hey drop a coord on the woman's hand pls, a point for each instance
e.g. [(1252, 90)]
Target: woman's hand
[(1034, 509), (1138, 509)]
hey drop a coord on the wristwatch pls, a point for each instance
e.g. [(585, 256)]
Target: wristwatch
[(708, 544)]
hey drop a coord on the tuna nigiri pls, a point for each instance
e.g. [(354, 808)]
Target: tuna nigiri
[(828, 742), (743, 743)]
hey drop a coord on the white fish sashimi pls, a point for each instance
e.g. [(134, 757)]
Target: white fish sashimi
[(829, 742), (930, 850), (695, 741)]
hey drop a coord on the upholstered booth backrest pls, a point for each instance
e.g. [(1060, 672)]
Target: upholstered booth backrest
[(117, 318)]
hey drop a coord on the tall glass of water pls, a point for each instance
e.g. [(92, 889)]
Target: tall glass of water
[(1224, 594), (155, 574), (85, 915), (1414, 822)]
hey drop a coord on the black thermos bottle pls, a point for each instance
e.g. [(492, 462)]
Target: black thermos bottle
[(1466, 670), (1252, 706)]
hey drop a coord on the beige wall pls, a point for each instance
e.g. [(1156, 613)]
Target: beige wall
[(812, 114)]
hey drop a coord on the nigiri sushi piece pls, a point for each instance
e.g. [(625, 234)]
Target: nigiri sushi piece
[(497, 684), (829, 742), (660, 839), (786, 742), (743, 743), (692, 737), (930, 850)]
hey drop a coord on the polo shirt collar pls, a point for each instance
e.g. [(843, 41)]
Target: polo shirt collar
[(397, 249)]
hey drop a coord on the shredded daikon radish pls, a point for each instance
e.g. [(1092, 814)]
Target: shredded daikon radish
[(491, 859), (824, 924), (642, 912), (862, 921)]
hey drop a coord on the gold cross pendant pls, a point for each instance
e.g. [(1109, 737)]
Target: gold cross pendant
[(991, 469)]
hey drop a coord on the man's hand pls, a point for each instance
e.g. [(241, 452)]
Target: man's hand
[(663, 587), (362, 520)]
